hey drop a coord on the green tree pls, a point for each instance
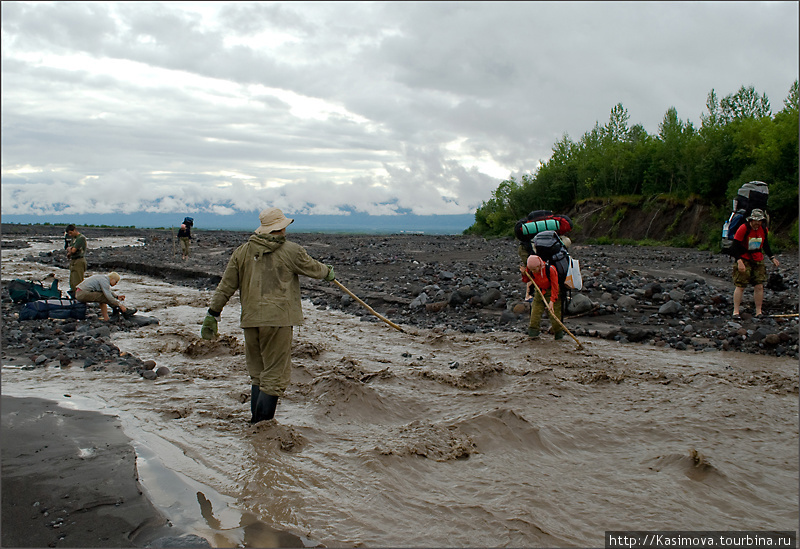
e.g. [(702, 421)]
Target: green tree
[(739, 140), (745, 103)]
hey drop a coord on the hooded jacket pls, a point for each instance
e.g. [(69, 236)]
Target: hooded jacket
[(265, 270)]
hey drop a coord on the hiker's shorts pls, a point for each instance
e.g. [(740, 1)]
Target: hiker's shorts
[(268, 352), (755, 273)]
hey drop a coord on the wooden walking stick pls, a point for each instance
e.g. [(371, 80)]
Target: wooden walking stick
[(367, 307), (553, 316)]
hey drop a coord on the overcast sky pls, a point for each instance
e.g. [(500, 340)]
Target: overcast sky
[(316, 107)]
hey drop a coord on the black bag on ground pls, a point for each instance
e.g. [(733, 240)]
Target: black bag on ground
[(22, 291), (53, 308)]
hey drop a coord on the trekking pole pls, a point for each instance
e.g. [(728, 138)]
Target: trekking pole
[(367, 307), (553, 315), (784, 316)]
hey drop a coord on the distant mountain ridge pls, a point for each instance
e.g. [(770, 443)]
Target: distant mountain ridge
[(247, 221)]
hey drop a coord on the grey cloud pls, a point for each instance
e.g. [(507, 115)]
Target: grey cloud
[(507, 79)]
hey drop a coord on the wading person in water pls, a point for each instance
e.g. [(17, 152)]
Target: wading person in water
[(546, 278), (749, 247), (266, 272)]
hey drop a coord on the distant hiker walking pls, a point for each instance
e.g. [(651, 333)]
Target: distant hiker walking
[(185, 237), (76, 253), (749, 247), (265, 270), (546, 278), (97, 289)]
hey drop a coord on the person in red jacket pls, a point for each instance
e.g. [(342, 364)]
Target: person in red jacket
[(750, 244), (546, 278)]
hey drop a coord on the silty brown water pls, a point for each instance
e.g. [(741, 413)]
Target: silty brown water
[(433, 438)]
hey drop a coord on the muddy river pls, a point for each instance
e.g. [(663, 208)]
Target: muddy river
[(435, 438)]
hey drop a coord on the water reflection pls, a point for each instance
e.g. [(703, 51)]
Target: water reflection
[(254, 533)]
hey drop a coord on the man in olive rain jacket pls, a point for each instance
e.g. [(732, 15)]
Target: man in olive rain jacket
[(265, 270)]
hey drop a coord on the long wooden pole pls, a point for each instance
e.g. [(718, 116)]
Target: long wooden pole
[(553, 315), (367, 307)]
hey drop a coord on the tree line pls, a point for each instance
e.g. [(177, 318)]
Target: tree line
[(739, 139)]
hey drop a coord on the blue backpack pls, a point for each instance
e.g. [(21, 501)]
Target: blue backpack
[(53, 308)]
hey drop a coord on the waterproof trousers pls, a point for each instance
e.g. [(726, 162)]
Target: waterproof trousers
[(268, 352), (538, 307), (77, 272)]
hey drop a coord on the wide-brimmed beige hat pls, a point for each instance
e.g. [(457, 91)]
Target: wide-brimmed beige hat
[(757, 215), (272, 219)]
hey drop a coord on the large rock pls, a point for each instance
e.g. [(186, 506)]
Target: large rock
[(670, 308), (490, 297), (579, 304)]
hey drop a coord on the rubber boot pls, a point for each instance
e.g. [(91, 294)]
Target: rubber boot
[(265, 407), (254, 390)]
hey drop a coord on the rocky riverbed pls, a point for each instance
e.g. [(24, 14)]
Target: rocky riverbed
[(670, 297)]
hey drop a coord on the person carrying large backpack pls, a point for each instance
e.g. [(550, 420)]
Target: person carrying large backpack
[(185, 237), (749, 247)]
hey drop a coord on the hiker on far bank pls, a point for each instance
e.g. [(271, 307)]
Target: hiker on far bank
[(546, 278), (185, 237), (749, 247), (76, 253), (265, 270), (97, 289)]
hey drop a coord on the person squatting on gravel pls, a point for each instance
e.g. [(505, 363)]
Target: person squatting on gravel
[(546, 278), (97, 289), (265, 270), (749, 245), (76, 252)]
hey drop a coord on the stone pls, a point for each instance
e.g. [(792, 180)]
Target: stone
[(490, 297), (670, 308), (626, 302), (506, 317), (579, 304), (419, 301)]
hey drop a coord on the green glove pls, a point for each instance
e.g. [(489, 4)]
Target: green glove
[(330, 275), (209, 329)]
